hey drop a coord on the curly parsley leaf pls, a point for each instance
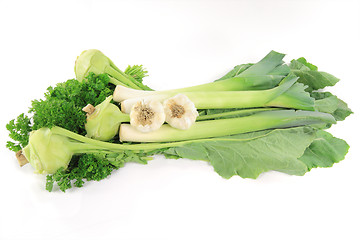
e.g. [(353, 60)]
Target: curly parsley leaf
[(58, 112), (85, 167), (63, 104), (19, 130), (91, 167), (94, 90)]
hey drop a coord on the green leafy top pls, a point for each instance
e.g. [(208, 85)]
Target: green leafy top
[(329, 103), (137, 72), (304, 65), (271, 64), (309, 75), (236, 71)]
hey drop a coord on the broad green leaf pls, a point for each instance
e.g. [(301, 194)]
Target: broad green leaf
[(324, 151), (271, 64), (305, 63), (251, 154), (280, 70), (271, 61), (235, 71), (329, 103), (309, 75)]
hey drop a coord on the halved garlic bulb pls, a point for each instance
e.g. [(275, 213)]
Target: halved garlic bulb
[(180, 112), (147, 115)]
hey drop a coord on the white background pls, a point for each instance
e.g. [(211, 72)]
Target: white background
[(181, 43)]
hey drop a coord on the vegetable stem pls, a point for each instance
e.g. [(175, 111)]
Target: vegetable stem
[(231, 126), (114, 73), (265, 74), (232, 84), (297, 98), (236, 113), (130, 78)]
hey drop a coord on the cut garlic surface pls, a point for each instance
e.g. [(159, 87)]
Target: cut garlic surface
[(147, 115), (180, 112)]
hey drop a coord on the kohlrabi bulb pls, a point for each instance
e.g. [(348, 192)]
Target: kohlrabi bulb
[(103, 123), (91, 60), (47, 152)]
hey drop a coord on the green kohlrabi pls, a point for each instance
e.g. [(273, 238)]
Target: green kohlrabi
[(104, 120), (96, 62)]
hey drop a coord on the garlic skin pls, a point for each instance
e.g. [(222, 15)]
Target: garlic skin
[(147, 115), (180, 112)]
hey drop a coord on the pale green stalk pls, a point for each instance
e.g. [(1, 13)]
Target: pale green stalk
[(265, 74), (223, 127), (235, 113), (297, 98)]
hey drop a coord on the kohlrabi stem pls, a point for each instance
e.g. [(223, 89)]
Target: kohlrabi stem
[(223, 127), (88, 145), (117, 82), (122, 78), (134, 83), (79, 147), (100, 145)]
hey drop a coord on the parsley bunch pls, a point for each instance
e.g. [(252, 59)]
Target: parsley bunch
[(63, 104), (61, 107)]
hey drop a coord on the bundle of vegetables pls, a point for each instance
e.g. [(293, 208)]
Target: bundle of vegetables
[(257, 118)]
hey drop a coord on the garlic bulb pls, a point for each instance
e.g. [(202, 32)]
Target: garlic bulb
[(147, 115), (180, 112)]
